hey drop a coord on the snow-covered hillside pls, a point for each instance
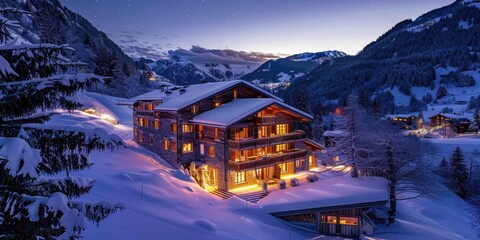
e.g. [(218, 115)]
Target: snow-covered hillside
[(163, 203)]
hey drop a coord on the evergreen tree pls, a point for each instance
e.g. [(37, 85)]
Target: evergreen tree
[(37, 160), (442, 92), (476, 121), (420, 120), (443, 168), (317, 126), (302, 103), (458, 173)]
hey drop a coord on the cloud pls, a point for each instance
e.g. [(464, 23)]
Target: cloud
[(199, 54)]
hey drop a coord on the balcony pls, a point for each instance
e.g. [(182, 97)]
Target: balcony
[(267, 141), (144, 113), (266, 120), (267, 160)]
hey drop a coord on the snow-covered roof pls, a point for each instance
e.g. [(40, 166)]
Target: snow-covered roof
[(197, 92), (391, 116), (330, 193), (240, 108), (333, 133)]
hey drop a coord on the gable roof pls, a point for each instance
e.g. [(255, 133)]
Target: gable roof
[(240, 108), (198, 92)]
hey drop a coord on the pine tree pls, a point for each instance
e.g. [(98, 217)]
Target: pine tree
[(444, 168), (37, 160), (458, 173), (301, 102), (476, 121)]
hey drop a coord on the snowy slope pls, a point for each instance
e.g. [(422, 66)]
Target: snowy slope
[(162, 203)]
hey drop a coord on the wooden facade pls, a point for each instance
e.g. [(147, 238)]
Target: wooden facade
[(262, 146)]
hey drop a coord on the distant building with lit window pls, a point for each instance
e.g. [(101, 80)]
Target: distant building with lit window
[(241, 134)]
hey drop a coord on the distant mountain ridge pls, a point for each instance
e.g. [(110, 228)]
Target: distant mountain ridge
[(291, 67), (179, 70)]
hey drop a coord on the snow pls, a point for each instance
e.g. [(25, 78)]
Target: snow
[(400, 98), (284, 77), (198, 92), (427, 25), (332, 192), (161, 202), (5, 67), (238, 109), (464, 25), (20, 158)]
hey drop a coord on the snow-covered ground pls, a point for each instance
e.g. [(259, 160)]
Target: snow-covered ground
[(162, 203)]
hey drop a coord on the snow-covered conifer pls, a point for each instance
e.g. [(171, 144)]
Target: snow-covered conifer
[(37, 160)]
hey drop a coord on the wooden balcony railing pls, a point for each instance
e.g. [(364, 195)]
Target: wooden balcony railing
[(266, 120), (145, 113), (268, 160), (267, 141)]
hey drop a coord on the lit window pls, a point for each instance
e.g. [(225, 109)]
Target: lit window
[(348, 221), (141, 122), (283, 167), (211, 151), (216, 133), (281, 129), (235, 93), (281, 147), (165, 144), (187, 147), (329, 219), (173, 146), (187, 128), (194, 109), (157, 124), (135, 131), (217, 104), (150, 107), (140, 137), (311, 160), (240, 177), (299, 163), (174, 127)]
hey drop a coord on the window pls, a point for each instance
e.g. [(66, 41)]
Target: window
[(311, 160), (156, 124), (187, 128), (202, 149), (140, 137), (281, 147), (329, 219), (240, 177), (194, 109), (187, 147), (173, 146), (235, 93), (283, 167), (258, 172), (174, 127), (281, 129), (150, 107), (299, 163), (216, 133), (348, 221), (165, 144), (211, 151), (216, 104), (141, 122), (135, 131)]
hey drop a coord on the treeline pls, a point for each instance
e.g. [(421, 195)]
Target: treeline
[(401, 59)]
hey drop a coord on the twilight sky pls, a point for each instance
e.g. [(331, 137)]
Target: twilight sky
[(152, 28)]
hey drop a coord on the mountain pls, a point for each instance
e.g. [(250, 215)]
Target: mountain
[(50, 22), (180, 70), (285, 69), (411, 56)]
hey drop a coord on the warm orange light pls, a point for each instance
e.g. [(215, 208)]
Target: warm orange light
[(338, 111)]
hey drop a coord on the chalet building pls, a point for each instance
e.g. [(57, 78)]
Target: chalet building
[(456, 123), (403, 120), (240, 134), (438, 120)]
